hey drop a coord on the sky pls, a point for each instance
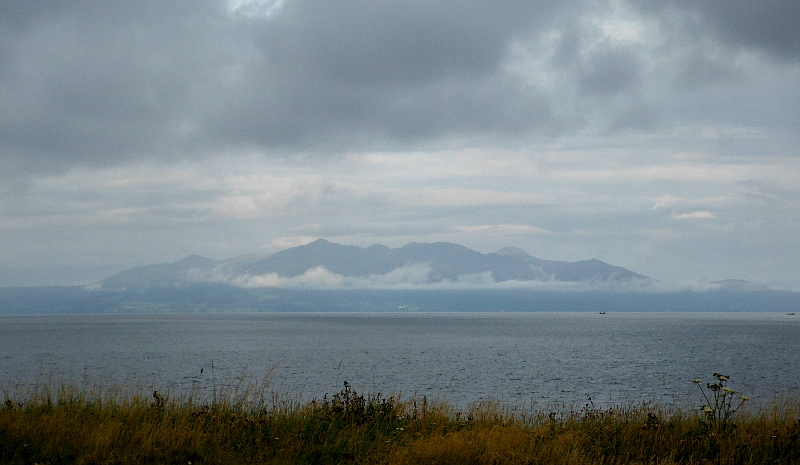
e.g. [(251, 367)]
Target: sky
[(663, 137)]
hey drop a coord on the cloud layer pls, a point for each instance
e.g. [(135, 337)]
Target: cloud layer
[(95, 84), (418, 276), (660, 136)]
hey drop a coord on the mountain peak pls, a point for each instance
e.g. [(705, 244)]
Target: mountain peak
[(322, 262), (511, 251), (319, 242), (196, 260)]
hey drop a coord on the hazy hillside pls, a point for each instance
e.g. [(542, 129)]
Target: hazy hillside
[(412, 264), (323, 276)]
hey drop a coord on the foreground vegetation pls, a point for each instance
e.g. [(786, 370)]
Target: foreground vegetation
[(66, 425)]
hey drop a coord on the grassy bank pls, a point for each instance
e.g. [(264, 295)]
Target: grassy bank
[(69, 426)]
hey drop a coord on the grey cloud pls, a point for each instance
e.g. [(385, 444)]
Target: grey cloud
[(387, 43), (610, 70), (767, 26), (771, 26), (88, 83), (604, 68), (636, 117), (93, 83), (382, 72), (701, 70), (22, 14)]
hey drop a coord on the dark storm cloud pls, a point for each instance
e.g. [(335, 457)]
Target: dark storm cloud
[(372, 73), (93, 82), (386, 43), (88, 83), (771, 26), (85, 83)]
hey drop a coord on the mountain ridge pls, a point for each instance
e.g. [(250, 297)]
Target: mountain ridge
[(430, 263), (326, 277)]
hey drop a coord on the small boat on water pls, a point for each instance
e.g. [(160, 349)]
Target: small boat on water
[(602, 313), (790, 313)]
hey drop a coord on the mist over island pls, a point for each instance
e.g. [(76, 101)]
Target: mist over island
[(326, 265), (323, 276)]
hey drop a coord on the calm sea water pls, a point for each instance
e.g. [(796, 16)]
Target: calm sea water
[(539, 359)]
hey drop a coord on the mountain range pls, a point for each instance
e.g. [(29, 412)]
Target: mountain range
[(327, 277), (323, 264)]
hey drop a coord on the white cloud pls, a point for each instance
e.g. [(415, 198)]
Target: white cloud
[(255, 8), (700, 214), (502, 229), (320, 278), (666, 201), (413, 276)]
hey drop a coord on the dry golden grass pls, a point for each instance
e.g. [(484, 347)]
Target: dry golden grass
[(107, 427)]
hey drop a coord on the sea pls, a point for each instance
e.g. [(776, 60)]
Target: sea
[(520, 360)]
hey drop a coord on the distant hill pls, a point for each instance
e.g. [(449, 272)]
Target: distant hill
[(164, 274), (442, 277), (439, 262)]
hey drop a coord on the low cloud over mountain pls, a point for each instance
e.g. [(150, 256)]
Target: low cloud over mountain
[(325, 265), (433, 277)]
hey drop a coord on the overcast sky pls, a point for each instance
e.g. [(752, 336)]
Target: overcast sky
[(659, 136)]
